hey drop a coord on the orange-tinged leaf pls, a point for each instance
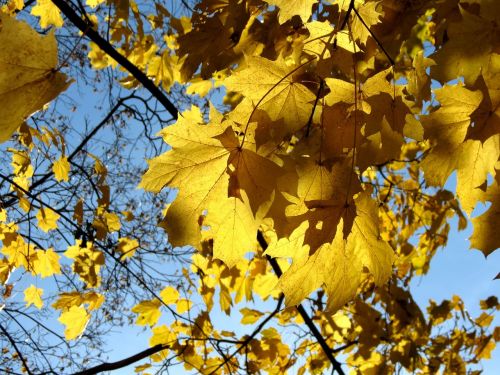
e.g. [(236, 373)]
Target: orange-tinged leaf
[(33, 296)]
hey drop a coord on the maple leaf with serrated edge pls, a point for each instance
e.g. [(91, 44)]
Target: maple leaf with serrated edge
[(49, 13), (47, 219), (486, 236), (271, 86), (217, 179), (337, 265), (28, 79), (290, 8), (33, 296), (467, 51), (75, 319), (148, 312), (46, 263), (447, 128)]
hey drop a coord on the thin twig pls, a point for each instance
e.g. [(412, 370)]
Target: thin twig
[(13, 343), (303, 313)]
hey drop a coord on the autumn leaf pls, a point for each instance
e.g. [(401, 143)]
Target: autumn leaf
[(33, 296), (47, 219), (302, 8), (272, 87), (447, 127), (75, 319), (338, 265), (61, 169), (250, 316), (46, 263), (486, 236), (49, 14), (183, 305), (148, 312), (468, 49), (127, 247), (28, 79), (169, 295)]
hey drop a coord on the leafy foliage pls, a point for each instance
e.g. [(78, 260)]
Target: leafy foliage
[(310, 154)]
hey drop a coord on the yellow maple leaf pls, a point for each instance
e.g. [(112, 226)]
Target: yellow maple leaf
[(28, 79), (47, 219), (46, 263), (49, 13), (162, 335), (95, 3), (197, 166), (148, 311), (486, 236), (87, 262), (338, 265), (290, 8), (250, 316), (127, 247), (183, 305), (33, 295), (447, 128), (61, 169), (66, 300), (169, 295), (467, 51), (370, 12), (280, 93), (75, 319)]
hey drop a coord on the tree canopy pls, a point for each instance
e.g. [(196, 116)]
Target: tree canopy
[(164, 163)]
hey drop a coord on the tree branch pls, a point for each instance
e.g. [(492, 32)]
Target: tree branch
[(87, 29), (303, 313), (110, 366), (13, 343), (259, 328)]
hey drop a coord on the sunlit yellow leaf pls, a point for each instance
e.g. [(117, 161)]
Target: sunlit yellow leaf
[(250, 316), (48, 12), (33, 295), (47, 219), (148, 311), (169, 295), (127, 247), (75, 319), (61, 169), (27, 76), (47, 263), (183, 305)]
